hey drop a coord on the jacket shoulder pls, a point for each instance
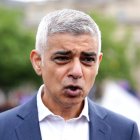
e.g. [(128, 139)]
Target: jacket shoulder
[(16, 114), (121, 127)]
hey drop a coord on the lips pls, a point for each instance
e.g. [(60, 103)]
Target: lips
[(73, 90)]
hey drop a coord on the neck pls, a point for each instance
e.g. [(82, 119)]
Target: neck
[(69, 112), (65, 111)]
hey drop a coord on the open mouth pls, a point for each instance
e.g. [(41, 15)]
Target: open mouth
[(73, 91), (73, 88)]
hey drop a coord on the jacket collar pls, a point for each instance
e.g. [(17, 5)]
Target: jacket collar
[(98, 128), (28, 127)]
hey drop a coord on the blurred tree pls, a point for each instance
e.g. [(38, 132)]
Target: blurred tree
[(16, 42), (115, 64), (15, 45)]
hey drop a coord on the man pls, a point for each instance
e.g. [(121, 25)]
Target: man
[(67, 57)]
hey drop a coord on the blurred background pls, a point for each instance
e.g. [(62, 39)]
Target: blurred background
[(117, 85)]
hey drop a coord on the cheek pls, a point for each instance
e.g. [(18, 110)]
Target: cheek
[(55, 75), (91, 73), (90, 77)]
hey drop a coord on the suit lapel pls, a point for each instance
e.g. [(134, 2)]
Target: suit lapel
[(99, 130), (28, 128)]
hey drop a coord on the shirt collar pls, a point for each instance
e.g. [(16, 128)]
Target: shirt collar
[(85, 110), (43, 111)]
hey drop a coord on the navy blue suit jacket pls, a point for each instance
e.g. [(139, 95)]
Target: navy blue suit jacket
[(21, 123)]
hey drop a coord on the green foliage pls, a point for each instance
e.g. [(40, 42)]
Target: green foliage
[(136, 56), (15, 46), (115, 64), (16, 42)]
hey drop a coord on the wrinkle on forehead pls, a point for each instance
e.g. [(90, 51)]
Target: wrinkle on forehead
[(72, 42)]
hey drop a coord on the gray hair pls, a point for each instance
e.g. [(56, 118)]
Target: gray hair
[(65, 21)]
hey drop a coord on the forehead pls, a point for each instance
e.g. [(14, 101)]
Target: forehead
[(74, 43)]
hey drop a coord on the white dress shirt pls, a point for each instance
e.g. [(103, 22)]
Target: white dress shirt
[(54, 127)]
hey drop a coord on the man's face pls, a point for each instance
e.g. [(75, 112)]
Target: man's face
[(70, 65)]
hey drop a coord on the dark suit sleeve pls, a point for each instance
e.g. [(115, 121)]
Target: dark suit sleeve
[(135, 134)]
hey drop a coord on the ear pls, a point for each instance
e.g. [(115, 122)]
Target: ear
[(100, 57), (99, 60), (36, 61)]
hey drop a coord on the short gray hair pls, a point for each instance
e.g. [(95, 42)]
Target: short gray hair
[(65, 21)]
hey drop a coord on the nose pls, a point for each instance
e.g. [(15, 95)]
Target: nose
[(76, 70)]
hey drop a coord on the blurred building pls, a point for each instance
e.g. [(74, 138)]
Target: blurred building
[(126, 12)]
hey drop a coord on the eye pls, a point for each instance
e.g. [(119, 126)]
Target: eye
[(61, 59), (88, 60)]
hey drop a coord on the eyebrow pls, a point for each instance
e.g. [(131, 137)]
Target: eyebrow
[(89, 53), (63, 52)]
